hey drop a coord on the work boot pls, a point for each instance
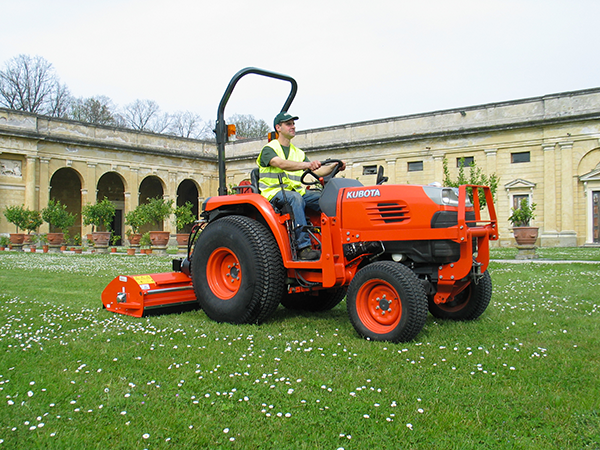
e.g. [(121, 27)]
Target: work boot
[(308, 254)]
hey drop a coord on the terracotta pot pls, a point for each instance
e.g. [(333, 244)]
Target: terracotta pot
[(131, 251), (78, 250), (134, 239), (101, 238), (63, 248), (182, 239), (113, 250), (526, 235), (55, 238), (27, 239), (32, 248), (159, 238), (45, 248), (17, 238)]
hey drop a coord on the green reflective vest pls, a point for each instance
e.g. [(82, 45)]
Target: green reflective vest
[(269, 176)]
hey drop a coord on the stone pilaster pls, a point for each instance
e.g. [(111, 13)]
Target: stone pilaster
[(549, 234), (567, 235), (31, 182)]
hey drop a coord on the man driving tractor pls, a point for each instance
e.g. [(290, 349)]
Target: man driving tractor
[(280, 156)]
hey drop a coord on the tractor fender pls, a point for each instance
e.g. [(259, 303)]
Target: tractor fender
[(255, 206)]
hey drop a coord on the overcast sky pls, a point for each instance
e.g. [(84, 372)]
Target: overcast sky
[(354, 60)]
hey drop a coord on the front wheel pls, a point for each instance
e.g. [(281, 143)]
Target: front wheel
[(387, 302), (237, 271), (469, 304)]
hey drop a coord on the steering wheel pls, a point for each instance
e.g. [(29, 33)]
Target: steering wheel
[(322, 180)]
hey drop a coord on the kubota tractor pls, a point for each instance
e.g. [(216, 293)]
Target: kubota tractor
[(393, 251)]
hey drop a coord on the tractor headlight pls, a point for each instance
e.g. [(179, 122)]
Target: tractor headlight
[(450, 196)]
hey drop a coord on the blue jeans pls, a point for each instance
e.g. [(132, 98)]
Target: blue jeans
[(298, 203)]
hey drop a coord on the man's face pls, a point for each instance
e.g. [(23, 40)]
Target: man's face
[(288, 129)]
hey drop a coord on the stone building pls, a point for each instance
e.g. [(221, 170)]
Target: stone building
[(545, 149), (43, 158)]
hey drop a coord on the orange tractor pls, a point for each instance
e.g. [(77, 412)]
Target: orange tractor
[(393, 251)]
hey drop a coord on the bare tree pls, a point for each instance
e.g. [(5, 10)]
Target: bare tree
[(247, 126), (145, 115), (96, 110), (30, 84), (186, 124)]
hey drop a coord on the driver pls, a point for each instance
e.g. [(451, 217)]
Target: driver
[(280, 156)]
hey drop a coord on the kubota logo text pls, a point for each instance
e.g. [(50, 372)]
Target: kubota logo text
[(364, 193)]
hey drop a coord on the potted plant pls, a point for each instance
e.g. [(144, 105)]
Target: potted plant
[(44, 241), (33, 240), (33, 220), (66, 241), (183, 217), (59, 219), (4, 242), (520, 219), (16, 215), (135, 219), (77, 243), (115, 238), (156, 211), (146, 243), (100, 216)]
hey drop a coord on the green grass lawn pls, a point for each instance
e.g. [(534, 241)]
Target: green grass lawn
[(72, 375)]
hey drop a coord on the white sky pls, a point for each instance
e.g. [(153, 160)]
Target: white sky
[(354, 60)]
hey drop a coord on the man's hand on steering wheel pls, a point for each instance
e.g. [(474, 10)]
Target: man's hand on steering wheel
[(339, 165)]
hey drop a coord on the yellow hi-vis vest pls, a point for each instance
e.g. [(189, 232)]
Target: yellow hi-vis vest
[(269, 176)]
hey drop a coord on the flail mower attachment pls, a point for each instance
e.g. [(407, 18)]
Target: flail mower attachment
[(134, 294)]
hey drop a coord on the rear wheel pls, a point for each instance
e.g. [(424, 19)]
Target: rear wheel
[(322, 300), (469, 304), (387, 302), (237, 271)]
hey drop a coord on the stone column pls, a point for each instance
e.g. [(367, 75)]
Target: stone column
[(549, 235), (391, 170), (491, 160), (31, 182), (438, 168), (44, 189), (567, 234)]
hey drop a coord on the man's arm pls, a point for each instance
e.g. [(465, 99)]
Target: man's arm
[(328, 168), (284, 164)]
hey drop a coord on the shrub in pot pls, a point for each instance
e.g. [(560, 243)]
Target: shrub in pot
[(59, 219), (520, 219), (136, 218), (183, 217), (17, 215), (156, 211), (100, 216)]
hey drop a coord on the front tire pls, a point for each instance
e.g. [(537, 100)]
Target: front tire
[(387, 302), (237, 271), (469, 304)]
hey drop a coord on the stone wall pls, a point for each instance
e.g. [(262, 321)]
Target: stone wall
[(545, 148)]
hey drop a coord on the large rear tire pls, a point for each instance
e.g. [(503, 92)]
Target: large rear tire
[(322, 300), (469, 304), (387, 302), (237, 271)]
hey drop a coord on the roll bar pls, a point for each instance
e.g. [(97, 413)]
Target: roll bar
[(221, 127)]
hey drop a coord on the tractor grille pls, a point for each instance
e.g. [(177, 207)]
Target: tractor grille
[(388, 212)]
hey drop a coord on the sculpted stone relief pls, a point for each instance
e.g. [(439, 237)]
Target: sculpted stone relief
[(10, 168)]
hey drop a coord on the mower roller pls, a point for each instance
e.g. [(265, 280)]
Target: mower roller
[(394, 252), (135, 294)]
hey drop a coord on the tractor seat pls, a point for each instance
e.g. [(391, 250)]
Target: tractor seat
[(328, 200), (254, 176)]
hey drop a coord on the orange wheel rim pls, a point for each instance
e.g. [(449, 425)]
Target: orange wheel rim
[(378, 306), (223, 273)]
